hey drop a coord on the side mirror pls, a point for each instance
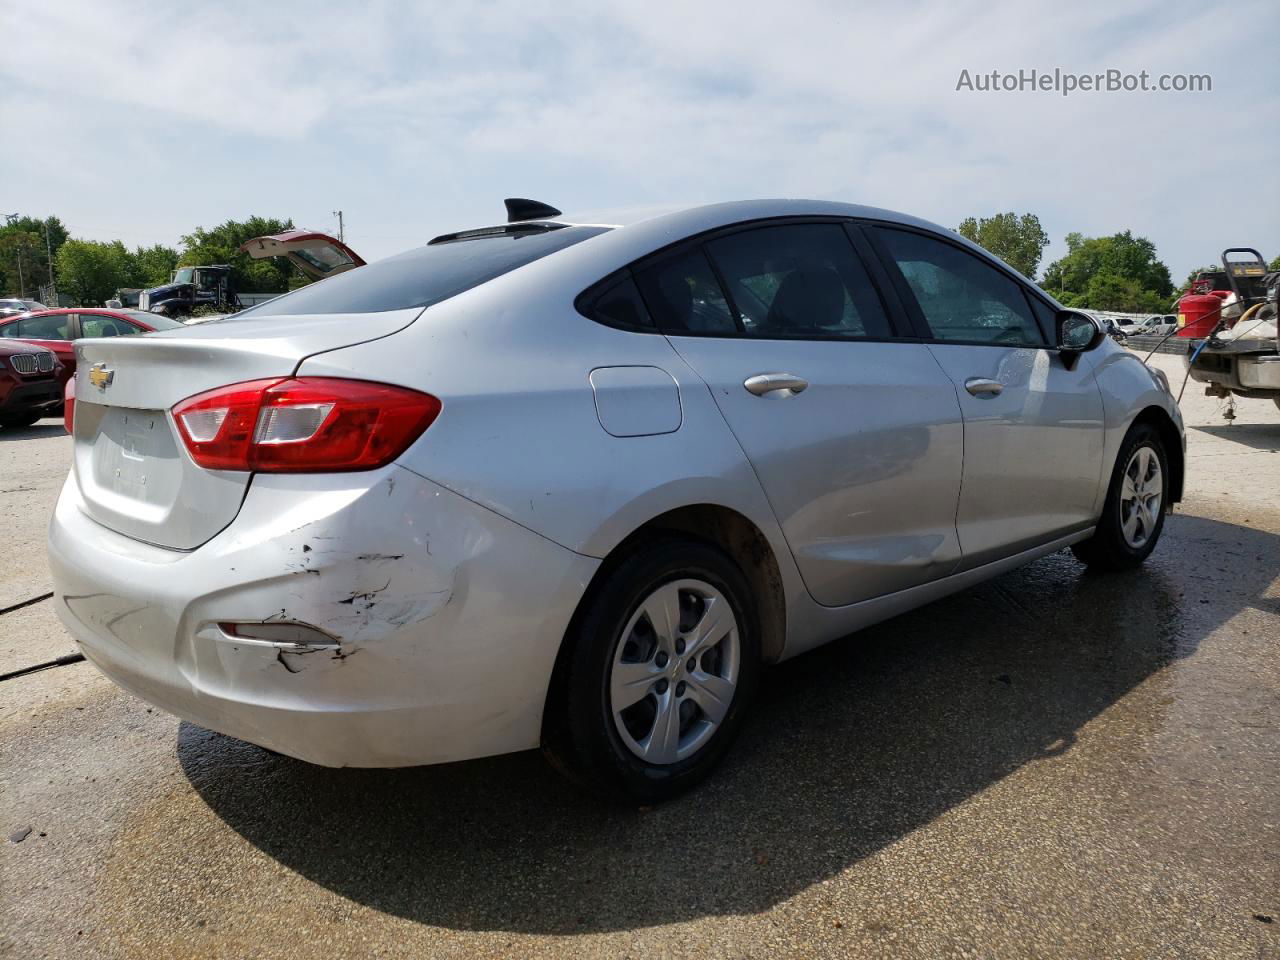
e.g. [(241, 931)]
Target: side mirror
[(1077, 332)]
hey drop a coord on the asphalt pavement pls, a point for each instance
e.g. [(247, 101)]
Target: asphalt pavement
[(1052, 764)]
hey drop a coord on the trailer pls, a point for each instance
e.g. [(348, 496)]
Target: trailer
[(1229, 321)]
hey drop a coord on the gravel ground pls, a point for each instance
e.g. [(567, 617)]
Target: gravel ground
[(1053, 764)]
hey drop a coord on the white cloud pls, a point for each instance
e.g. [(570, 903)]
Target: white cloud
[(422, 117)]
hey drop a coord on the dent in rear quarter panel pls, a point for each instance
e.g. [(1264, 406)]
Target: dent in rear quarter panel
[(421, 591), (1128, 387)]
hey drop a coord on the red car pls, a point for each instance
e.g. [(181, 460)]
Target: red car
[(31, 382), (56, 329)]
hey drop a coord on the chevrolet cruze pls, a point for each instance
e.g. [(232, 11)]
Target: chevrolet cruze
[(572, 485)]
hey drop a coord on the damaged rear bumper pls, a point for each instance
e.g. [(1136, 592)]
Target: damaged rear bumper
[(436, 621)]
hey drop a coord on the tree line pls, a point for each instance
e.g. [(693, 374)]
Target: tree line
[(1120, 272), (36, 251)]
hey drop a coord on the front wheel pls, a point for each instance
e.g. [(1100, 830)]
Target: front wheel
[(1133, 516), (662, 661)]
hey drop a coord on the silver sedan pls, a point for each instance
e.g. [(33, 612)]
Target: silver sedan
[(571, 485)]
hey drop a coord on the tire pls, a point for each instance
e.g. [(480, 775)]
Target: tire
[(1132, 518), (19, 420), (619, 648)]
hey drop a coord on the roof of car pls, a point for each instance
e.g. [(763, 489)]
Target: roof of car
[(601, 255), (694, 220)]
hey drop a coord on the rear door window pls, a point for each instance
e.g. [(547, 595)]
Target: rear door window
[(422, 277), (799, 280), (98, 325), (961, 297)]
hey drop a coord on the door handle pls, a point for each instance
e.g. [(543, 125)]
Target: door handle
[(982, 387), (763, 383)]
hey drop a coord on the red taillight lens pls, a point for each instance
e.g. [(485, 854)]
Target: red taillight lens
[(69, 405), (303, 425)]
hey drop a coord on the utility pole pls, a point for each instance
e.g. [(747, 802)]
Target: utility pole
[(48, 249), (9, 220), (341, 237)]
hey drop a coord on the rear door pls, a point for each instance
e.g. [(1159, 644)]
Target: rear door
[(854, 433), (1033, 428)]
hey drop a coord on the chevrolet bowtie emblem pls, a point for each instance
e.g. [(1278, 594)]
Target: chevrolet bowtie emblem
[(100, 376)]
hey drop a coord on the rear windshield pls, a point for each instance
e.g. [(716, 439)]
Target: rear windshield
[(423, 276)]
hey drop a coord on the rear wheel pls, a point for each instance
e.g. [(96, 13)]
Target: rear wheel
[(1133, 516), (663, 660)]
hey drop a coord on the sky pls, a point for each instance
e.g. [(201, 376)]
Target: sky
[(139, 121)]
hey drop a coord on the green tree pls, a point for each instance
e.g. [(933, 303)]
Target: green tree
[(1017, 240), (1135, 258), (90, 271), (221, 244), (1274, 264), (1110, 291), (151, 266), (1120, 272), (24, 260)]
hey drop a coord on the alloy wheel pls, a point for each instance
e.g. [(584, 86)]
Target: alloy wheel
[(1141, 496), (675, 671)]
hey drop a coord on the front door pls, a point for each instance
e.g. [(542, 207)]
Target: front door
[(854, 434), (1033, 427)]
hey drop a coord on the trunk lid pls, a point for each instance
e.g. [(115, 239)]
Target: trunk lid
[(130, 463), (317, 255)]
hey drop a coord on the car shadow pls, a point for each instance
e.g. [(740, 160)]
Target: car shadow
[(1260, 436), (848, 749), (37, 431)]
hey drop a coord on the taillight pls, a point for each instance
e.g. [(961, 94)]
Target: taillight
[(303, 425), (69, 405)]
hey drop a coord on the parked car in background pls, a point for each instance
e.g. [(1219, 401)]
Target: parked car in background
[(12, 306), (31, 383), (56, 329), (1112, 326), (574, 485), (1155, 326)]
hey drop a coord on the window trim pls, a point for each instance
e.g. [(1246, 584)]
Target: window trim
[(912, 306), (898, 319)]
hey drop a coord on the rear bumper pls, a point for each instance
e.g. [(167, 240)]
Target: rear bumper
[(1246, 373), (445, 619)]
